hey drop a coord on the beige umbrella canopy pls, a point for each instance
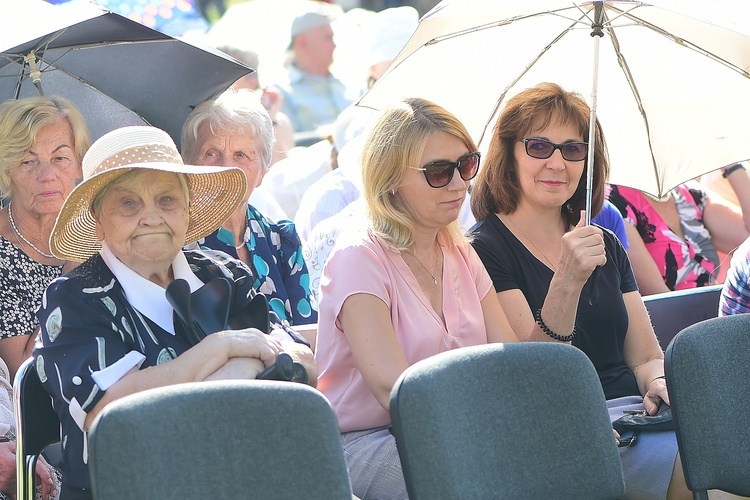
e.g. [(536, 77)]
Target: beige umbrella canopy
[(673, 89)]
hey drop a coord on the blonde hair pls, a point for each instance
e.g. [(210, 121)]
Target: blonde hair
[(21, 121), (397, 141)]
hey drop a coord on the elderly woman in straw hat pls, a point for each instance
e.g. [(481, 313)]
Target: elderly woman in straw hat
[(107, 327)]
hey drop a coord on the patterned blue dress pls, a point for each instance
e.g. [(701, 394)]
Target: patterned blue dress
[(277, 263)]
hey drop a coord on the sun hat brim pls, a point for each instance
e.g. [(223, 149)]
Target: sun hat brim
[(215, 193)]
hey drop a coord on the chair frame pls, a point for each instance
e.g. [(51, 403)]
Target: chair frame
[(37, 426)]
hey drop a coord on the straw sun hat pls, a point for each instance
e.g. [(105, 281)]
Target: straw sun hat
[(215, 192)]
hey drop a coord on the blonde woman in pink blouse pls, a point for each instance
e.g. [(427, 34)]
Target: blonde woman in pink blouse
[(404, 288)]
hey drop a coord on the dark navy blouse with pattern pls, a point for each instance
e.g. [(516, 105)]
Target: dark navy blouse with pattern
[(87, 325)]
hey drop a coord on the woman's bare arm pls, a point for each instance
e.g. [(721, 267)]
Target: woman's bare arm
[(643, 353), (495, 321), (366, 322)]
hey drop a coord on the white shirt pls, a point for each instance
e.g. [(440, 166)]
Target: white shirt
[(288, 179), (149, 299)]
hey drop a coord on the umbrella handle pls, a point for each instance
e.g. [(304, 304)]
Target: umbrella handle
[(34, 73)]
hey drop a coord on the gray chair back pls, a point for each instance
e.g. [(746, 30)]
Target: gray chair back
[(228, 439), (707, 366), (522, 420), (670, 312), (37, 426)]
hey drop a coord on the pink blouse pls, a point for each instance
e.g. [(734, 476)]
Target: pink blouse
[(364, 265)]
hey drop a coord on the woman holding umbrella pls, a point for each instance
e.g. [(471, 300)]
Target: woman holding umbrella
[(529, 200)]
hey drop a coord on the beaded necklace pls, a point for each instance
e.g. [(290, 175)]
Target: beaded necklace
[(22, 237)]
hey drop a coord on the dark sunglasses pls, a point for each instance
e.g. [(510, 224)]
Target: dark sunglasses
[(440, 173), (543, 149)]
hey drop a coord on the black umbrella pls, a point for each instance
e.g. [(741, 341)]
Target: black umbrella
[(117, 71)]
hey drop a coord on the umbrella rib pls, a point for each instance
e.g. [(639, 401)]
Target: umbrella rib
[(683, 42), (45, 45), (19, 58), (528, 67), (90, 86), (42, 47), (94, 46), (510, 20), (623, 63)]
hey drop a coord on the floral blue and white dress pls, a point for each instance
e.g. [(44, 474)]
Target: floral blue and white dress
[(92, 335), (277, 263), (22, 282)]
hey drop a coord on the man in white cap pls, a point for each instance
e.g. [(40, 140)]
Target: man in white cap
[(385, 35), (313, 97)]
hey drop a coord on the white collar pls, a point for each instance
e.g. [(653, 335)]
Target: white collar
[(148, 297)]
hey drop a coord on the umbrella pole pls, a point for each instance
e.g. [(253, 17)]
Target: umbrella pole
[(597, 34)]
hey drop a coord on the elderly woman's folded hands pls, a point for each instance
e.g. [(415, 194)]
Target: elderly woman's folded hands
[(248, 353)]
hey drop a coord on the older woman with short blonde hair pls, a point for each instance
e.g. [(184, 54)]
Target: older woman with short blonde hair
[(42, 143)]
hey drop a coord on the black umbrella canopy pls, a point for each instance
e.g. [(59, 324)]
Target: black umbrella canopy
[(117, 71)]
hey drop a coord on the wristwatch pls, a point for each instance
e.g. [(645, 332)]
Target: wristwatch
[(728, 171)]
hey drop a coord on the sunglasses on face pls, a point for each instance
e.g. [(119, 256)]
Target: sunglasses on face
[(543, 149), (440, 173)]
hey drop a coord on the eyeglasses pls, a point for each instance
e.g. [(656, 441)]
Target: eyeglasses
[(440, 173), (543, 149)]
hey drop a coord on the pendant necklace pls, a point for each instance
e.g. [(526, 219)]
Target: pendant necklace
[(22, 237), (554, 268), (437, 263)]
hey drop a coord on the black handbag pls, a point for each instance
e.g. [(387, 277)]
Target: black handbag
[(206, 311), (634, 421)]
